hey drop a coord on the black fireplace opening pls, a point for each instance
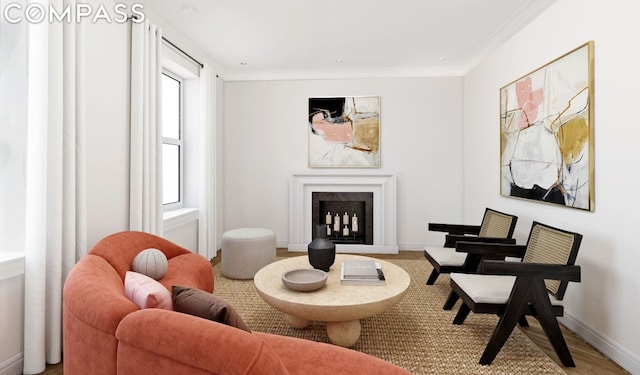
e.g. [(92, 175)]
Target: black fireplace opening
[(348, 216)]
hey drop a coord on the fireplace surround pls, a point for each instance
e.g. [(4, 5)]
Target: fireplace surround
[(383, 186)]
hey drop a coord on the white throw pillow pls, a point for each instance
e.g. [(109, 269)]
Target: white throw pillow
[(151, 262)]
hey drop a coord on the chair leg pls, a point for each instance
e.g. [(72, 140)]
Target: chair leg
[(551, 327), (554, 334), (462, 314), (523, 321), (432, 278), (514, 310), (451, 300)]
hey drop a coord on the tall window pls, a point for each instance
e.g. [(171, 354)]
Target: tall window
[(172, 141)]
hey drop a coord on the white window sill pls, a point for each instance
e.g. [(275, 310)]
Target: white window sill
[(177, 218), (11, 264)]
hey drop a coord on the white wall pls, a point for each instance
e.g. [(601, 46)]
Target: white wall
[(605, 305), (265, 140), (184, 235)]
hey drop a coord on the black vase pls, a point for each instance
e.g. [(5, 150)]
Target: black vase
[(321, 251)]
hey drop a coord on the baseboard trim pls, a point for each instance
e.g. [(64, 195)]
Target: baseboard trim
[(13, 365), (407, 246), (357, 249), (412, 246), (614, 351)]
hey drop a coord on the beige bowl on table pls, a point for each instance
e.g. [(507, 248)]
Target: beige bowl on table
[(304, 280)]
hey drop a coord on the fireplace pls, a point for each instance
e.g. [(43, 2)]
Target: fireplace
[(348, 216), (382, 188)]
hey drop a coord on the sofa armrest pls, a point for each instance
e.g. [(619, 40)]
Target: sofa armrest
[(167, 342), (93, 306), (307, 357), (155, 341), (94, 294)]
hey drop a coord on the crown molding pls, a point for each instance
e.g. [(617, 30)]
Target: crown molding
[(364, 73)]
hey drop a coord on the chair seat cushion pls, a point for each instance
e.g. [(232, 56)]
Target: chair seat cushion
[(446, 256), (493, 289)]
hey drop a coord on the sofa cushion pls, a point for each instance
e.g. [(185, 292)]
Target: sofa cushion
[(151, 262), (206, 305), (146, 292)]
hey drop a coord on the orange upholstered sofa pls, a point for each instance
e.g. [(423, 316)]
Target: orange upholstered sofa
[(106, 333)]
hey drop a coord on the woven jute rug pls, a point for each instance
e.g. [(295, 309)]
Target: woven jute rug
[(415, 334)]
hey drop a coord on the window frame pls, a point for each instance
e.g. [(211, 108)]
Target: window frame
[(176, 142)]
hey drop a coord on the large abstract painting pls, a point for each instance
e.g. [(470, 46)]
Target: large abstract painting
[(546, 129), (344, 132)]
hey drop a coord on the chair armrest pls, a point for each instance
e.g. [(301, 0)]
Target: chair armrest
[(454, 228), (483, 248), (533, 270), (452, 239)]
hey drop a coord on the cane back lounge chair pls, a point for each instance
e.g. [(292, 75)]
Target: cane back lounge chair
[(512, 290), (496, 227)]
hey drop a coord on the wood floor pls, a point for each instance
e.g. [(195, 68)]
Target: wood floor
[(588, 360)]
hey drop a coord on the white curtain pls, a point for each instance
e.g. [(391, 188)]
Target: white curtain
[(207, 235), (55, 220), (145, 201)]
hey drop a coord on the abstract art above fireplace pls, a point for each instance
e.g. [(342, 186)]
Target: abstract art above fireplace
[(344, 132)]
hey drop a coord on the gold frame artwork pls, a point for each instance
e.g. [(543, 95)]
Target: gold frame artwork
[(547, 133), (344, 132)]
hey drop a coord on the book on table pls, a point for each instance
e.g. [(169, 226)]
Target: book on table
[(361, 272)]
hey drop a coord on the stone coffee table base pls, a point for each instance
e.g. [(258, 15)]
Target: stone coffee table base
[(340, 333), (340, 306)]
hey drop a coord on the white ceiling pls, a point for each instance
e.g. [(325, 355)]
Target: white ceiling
[(263, 39)]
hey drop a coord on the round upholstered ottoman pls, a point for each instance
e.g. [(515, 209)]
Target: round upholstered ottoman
[(246, 250)]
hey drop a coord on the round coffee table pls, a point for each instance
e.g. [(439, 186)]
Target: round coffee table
[(340, 306)]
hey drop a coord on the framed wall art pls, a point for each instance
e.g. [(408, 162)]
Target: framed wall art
[(344, 132), (546, 132)]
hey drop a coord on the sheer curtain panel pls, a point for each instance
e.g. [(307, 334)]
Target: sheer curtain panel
[(55, 220), (207, 234), (145, 202)]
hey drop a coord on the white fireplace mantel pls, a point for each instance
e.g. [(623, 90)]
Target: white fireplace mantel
[(383, 187)]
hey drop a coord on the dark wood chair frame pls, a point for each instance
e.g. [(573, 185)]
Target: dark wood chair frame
[(529, 295), (466, 233)]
